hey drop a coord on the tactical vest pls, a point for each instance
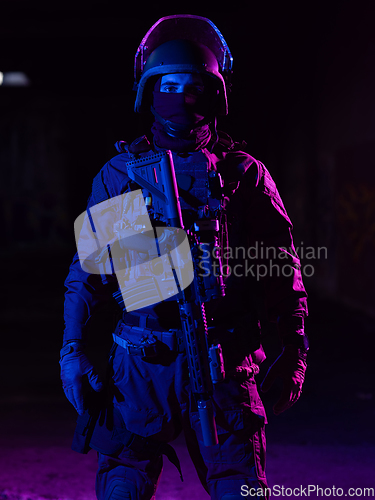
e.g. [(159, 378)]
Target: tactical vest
[(200, 190)]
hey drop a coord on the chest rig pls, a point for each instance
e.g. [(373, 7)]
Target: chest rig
[(200, 194)]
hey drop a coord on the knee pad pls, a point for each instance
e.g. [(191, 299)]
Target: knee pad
[(120, 490)]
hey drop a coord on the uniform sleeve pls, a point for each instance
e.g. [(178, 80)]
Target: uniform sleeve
[(265, 230), (269, 231), (85, 292)]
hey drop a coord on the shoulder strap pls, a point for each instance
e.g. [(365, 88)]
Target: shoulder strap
[(99, 189)]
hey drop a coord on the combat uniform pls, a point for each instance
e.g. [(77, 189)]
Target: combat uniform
[(153, 394), (151, 399)]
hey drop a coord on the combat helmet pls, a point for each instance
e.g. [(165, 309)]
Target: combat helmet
[(182, 44)]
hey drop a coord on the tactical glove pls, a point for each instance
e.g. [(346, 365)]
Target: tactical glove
[(74, 367), (290, 366)]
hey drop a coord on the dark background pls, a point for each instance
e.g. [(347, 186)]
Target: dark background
[(303, 99)]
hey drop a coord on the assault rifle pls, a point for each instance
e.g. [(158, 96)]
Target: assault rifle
[(156, 175)]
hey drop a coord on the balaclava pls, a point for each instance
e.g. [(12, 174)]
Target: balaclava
[(182, 120)]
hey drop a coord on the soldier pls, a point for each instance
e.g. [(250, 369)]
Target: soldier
[(182, 72)]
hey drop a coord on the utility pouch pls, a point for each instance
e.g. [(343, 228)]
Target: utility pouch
[(102, 428), (95, 429)]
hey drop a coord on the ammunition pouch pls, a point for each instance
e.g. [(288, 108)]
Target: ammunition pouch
[(96, 428), (103, 429)]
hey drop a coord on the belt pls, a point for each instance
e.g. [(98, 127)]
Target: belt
[(149, 344)]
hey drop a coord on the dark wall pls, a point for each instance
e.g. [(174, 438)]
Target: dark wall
[(345, 145), (302, 99)]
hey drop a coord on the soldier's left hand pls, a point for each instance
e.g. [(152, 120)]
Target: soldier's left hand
[(290, 367)]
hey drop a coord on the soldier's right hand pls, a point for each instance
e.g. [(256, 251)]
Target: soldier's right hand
[(290, 366), (74, 366)]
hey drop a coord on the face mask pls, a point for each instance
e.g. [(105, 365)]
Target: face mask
[(179, 124), (181, 108)]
